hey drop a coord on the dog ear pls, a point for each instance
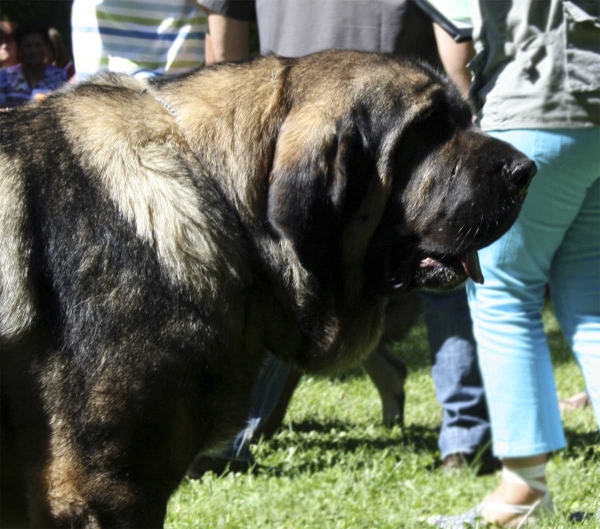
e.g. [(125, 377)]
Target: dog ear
[(308, 188)]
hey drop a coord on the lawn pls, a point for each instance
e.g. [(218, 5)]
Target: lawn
[(334, 466)]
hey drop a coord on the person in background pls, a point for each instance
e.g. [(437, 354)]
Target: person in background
[(536, 85), (21, 83), (8, 44), (58, 53), (8, 55), (144, 38), (299, 28)]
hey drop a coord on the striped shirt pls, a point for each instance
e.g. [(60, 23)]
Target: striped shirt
[(138, 37)]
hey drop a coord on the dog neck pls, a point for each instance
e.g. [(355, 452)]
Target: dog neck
[(230, 116), (168, 107)]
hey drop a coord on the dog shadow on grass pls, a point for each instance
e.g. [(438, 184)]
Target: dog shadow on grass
[(344, 436), (317, 446)]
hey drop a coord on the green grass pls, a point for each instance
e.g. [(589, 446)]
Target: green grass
[(334, 466)]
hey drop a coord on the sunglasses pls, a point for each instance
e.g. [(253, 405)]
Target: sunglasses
[(7, 39)]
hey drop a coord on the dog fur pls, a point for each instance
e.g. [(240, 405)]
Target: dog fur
[(159, 237)]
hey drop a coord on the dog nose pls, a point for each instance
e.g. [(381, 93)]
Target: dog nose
[(521, 173)]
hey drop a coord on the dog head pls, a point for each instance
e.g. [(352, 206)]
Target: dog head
[(379, 176)]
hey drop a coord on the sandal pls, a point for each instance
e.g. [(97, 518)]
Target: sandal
[(528, 513)]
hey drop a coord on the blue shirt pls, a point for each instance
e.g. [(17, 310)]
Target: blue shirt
[(15, 89)]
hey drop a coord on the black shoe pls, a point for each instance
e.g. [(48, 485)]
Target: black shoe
[(485, 462)]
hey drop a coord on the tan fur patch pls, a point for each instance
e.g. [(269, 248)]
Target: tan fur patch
[(306, 132), (17, 301), (136, 152), (232, 116), (68, 482)]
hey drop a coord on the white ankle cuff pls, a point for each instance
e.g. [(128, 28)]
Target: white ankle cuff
[(529, 476)]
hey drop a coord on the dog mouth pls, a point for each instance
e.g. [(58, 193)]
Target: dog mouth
[(465, 264), (430, 271)]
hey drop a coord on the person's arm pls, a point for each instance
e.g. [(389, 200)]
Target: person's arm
[(209, 56), (455, 58), (227, 39)]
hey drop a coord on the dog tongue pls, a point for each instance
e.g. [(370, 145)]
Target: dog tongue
[(470, 262)]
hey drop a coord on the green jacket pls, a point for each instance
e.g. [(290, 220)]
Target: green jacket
[(537, 63)]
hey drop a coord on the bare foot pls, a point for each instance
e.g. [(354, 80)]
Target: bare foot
[(579, 400)]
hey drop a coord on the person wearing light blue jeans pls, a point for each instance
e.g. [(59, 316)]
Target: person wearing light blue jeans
[(556, 241), (536, 85)]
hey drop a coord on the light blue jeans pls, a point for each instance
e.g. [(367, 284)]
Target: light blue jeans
[(555, 241)]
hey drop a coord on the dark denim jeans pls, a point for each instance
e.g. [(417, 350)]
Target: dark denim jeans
[(459, 390), (455, 370), (265, 394)]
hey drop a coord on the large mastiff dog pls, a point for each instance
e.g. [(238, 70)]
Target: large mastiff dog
[(158, 238)]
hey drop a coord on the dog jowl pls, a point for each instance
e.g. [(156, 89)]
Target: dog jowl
[(153, 253)]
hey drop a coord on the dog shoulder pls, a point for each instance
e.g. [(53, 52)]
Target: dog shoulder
[(132, 148)]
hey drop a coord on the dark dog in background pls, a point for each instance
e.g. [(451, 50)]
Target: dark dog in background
[(387, 371), (159, 236)]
